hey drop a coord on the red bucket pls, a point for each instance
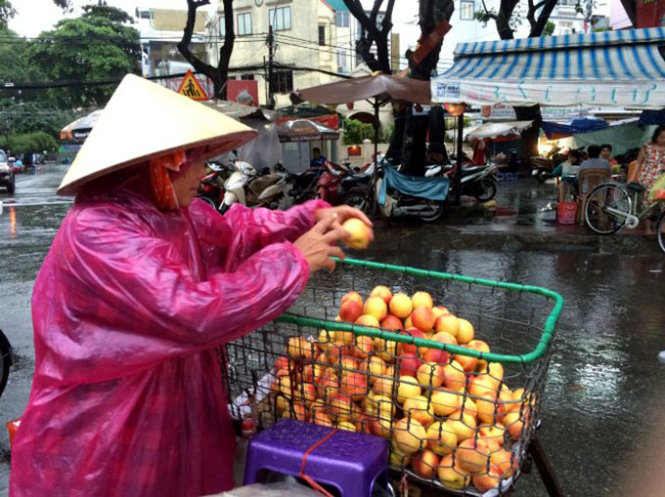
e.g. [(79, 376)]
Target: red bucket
[(565, 212)]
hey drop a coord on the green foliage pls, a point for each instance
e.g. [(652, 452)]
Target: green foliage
[(29, 142), (387, 132), (96, 46), (6, 13), (549, 29), (355, 132)]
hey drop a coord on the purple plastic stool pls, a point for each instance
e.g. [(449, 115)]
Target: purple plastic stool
[(350, 462)]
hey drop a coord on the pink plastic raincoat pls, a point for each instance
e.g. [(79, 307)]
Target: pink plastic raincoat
[(128, 309)]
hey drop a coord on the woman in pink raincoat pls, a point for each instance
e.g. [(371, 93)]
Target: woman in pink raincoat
[(138, 291)]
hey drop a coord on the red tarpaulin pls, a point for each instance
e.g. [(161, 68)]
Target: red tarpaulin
[(330, 120), (650, 13)]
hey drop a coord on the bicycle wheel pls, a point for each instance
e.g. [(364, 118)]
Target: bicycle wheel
[(660, 231), (606, 208)]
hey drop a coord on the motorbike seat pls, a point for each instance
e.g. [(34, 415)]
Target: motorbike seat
[(471, 170), (263, 182)]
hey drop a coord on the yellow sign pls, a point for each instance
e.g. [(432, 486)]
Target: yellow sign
[(190, 87)]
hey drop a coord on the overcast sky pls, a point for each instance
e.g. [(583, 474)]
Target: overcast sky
[(35, 16)]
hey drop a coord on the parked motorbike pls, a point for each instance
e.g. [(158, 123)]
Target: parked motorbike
[(400, 195), (247, 187), (303, 185), (328, 185), (211, 189), (477, 181)]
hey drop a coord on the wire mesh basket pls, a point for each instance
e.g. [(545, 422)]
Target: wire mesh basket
[(450, 369)]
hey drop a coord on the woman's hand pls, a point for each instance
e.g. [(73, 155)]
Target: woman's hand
[(318, 245), (340, 214)]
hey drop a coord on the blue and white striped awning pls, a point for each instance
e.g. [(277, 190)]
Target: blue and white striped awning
[(613, 68)]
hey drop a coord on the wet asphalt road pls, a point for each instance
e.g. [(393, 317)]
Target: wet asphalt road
[(603, 425)]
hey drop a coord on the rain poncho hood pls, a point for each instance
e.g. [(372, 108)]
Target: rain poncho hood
[(130, 309)]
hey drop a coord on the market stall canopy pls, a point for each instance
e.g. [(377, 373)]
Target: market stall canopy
[(556, 131), (364, 87), (80, 129), (239, 111), (301, 130), (496, 131), (612, 68)]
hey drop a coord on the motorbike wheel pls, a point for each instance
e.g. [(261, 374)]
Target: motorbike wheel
[(542, 175), (358, 198), (439, 210), (5, 360), (488, 188)]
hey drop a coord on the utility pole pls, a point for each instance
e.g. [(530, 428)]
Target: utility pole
[(271, 48)]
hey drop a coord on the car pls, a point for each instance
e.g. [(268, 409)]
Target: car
[(18, 166), (7, 178)]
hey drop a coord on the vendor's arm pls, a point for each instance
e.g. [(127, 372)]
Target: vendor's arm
[(133, 303), (127, 301), (253, 228), (243, 231)]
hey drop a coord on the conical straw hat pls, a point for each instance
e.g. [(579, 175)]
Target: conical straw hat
[(144, 120)]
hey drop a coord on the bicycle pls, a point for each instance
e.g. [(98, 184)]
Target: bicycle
[(611, 206)]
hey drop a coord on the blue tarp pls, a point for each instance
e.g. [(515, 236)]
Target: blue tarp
[(573, 127), (427, 188)]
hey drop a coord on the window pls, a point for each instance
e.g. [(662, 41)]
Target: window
[(245, 24), (342, 61), (247, 77), (280, 18), (342, 19), (222, 26), (466, 10), (322, 35), (282, 81)]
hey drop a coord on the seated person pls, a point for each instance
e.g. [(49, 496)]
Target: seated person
[(606, 153), (594, 161), (318, 160), (568, 171)]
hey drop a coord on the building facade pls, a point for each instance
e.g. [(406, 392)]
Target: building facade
[(309, 36)]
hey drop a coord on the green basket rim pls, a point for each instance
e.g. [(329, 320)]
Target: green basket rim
[(536, 353)]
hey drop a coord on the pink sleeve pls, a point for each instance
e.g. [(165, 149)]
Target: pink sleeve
[(243, 231), (131, 302)]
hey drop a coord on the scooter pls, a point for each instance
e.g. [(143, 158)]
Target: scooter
[(211, 189), (303, 185), (400, 195), (477, 181), (329, 182), (248, 188)]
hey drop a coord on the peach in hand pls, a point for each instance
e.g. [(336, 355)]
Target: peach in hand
[(359, 233)]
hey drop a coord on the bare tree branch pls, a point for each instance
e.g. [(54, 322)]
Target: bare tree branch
[(218, 74), (538, 26)]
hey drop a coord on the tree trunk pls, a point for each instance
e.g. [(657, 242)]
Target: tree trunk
[(394, 153), (431, 12), (220, 74), (530, 136)]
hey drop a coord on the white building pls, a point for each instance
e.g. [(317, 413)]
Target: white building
[(466, 29), (309, 35)]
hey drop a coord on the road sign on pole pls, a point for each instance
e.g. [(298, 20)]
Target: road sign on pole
[(190, 87)]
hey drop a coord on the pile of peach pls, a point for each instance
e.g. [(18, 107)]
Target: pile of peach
[(449, 417)]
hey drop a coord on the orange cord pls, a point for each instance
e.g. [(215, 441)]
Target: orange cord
[(309, 480)]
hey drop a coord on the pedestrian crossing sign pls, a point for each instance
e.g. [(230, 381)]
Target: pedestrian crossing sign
[(190, 87)]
